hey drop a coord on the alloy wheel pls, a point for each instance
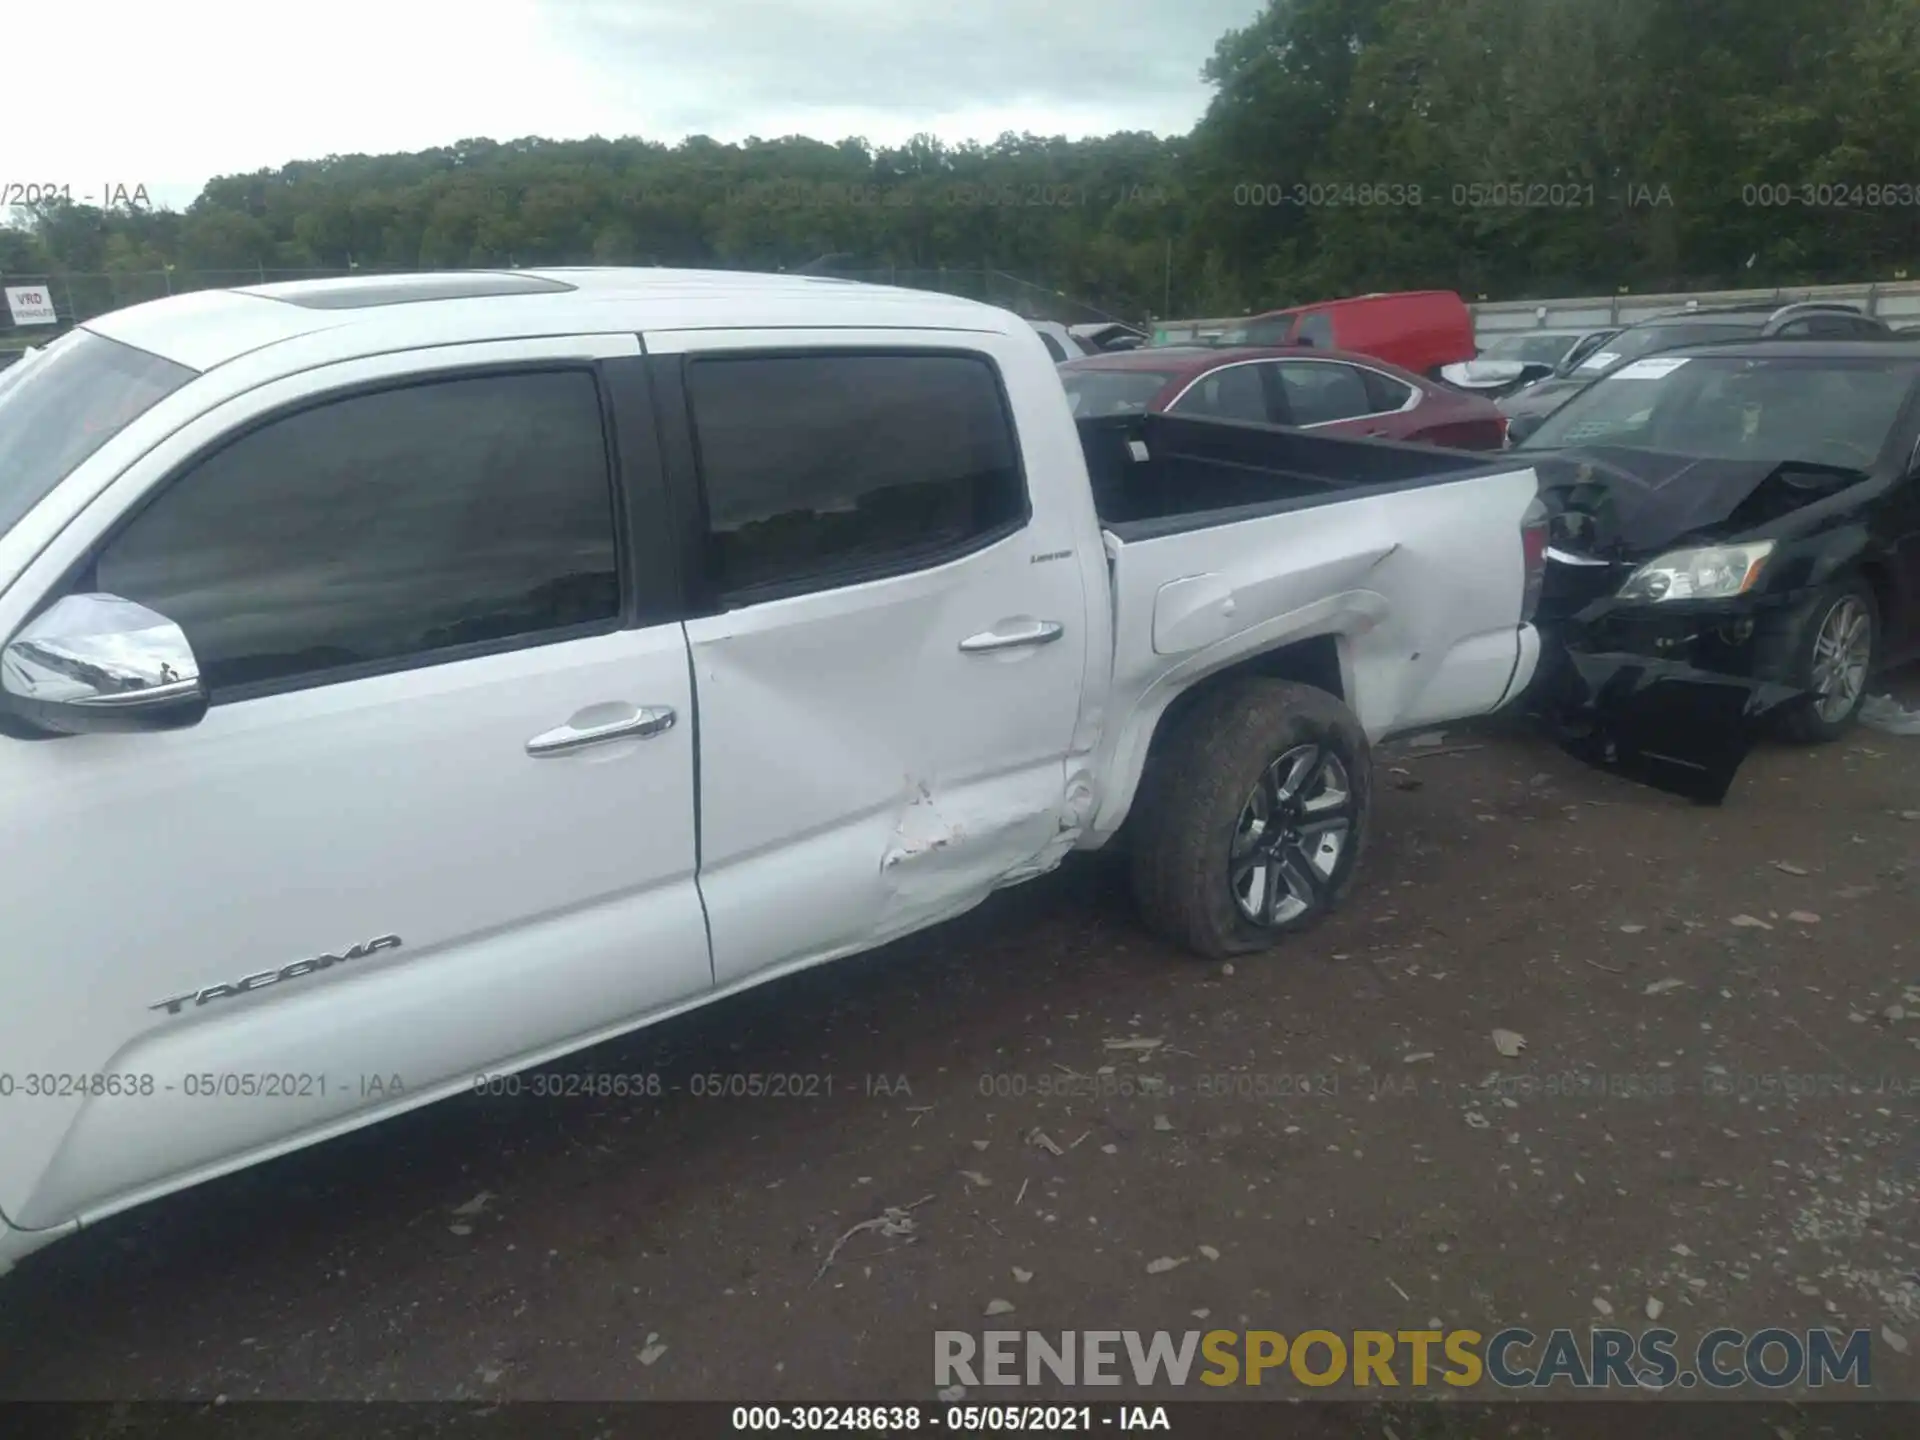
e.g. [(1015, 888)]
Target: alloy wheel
[(1292, 834), (1842, 651)]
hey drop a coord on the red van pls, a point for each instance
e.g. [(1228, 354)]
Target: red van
[(1418, 330)]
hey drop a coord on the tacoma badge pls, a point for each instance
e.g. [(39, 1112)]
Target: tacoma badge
[(270, 977)]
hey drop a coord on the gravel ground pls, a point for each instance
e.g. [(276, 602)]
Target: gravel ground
[(1714, 1113)]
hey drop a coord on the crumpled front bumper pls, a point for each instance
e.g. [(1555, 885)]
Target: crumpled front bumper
[(1666, 723), (1675, 696)]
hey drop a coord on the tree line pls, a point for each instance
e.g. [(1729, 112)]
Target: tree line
[(1505, 148)]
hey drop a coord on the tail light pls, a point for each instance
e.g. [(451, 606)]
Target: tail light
[(1533, 546)]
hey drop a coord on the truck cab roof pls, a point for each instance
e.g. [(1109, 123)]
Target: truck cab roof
[(371, 313)]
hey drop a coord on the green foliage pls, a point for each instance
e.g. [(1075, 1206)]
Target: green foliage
[(1554, 146)]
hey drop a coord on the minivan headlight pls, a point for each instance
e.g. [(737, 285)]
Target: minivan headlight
[(1710, 572)]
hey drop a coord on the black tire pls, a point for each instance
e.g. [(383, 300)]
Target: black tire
[(1806, 724), (1199, 781)]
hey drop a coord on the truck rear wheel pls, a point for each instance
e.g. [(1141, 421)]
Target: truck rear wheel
[(1253, 815)]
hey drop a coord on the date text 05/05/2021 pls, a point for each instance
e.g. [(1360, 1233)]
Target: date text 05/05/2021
[(902, 1419)]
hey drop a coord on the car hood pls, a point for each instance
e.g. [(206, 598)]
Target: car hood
[(1619, 503)]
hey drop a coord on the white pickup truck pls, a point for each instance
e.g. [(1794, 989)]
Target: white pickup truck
[(414, 679)]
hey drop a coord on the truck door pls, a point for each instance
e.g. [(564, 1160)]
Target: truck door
[(891, 668), (438, 817)]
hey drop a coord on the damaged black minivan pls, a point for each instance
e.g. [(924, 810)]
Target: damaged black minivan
[(1734, 547)]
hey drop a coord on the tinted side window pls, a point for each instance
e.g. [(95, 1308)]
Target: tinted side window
[(1384, 393), (1840, 327), (820, 467), (1053, 346), (1318, 393), (382, 528), (1834, 325), (1231, 393)]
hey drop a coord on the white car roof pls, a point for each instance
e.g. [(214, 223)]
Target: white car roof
[(370, 314)]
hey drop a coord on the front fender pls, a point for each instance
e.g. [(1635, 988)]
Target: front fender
[(1814, 559)]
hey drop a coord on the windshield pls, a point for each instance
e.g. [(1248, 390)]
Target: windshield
[(59, 406), (1641, 340), (1114, 392), (1820, 410), (1528, 349)]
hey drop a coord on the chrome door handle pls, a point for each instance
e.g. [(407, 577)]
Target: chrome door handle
[(1034, 632), (649, 721)]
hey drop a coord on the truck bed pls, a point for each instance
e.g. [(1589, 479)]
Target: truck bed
[(1404, 563), (1161, 474)]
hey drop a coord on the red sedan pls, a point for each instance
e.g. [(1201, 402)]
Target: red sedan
[(1304, 386)]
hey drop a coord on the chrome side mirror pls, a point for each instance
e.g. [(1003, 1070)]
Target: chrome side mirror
[(97, 663)]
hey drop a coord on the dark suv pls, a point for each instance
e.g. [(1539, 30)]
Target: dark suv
[(1807, 320)]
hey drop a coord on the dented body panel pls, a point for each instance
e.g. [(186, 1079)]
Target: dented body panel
[(848, 762), (862, 776), (1807, 456), (1426, 629), (1616, 662)]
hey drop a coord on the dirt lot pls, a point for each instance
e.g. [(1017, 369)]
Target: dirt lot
[(1715, 1115)]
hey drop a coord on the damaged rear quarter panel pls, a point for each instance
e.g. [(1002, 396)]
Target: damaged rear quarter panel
[(1421, 586)]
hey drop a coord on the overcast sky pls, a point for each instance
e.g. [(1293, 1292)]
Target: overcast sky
[(167, 95)]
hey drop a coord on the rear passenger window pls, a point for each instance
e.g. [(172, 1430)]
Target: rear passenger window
[(821, 469), (380, 529), (1234, 392), (1384, 393), (1320, 392)]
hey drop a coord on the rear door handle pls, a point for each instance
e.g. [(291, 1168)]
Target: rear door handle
[(1032, 632), (643, 724)]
